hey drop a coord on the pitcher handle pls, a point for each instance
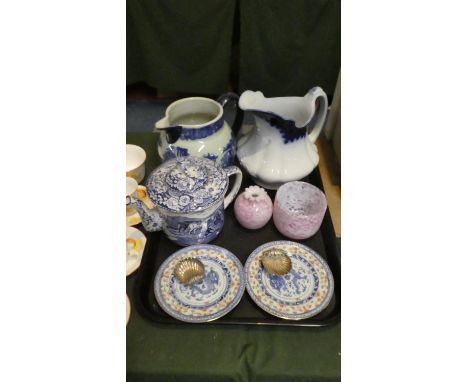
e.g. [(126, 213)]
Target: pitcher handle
[(233, 170), (318, 120), (226, 98)]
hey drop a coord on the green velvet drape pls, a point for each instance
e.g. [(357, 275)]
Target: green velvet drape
[(181, 45), (285, 47)]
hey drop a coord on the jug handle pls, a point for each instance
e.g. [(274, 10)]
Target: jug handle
[(318, 120), (226, 98), (233, 170)]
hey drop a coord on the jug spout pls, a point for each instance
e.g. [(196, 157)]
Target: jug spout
[(172, 132), (161, 124), (150, 218)]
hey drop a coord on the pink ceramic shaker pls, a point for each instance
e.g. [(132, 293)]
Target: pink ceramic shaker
[(253, 208)]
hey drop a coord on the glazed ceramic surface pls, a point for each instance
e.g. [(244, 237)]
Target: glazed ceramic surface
[(299, 210), (189, 198), (128, 310), (132, 215), (281, 147), (135, 159), (301, 293), (133, 218), (136, 242), (216, 295), (253, 208), (196, 126)]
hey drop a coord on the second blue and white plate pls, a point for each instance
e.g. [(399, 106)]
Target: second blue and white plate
[(301, 293), (218, 293)]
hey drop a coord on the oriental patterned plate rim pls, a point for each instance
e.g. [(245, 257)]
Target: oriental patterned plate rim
[(302, 293), (216, 295)]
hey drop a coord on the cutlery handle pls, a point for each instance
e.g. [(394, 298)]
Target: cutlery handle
[(233, 170)]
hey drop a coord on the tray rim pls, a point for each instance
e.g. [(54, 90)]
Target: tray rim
[(333, 260)]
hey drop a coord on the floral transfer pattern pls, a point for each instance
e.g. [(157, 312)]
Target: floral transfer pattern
[(185, 231), (217, 294), (189, 184), (302, 293)]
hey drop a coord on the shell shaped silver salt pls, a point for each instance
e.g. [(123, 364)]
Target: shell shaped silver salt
[(189, 271), (276, 261)]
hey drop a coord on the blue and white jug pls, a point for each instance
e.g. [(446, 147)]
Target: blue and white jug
[(281, 146), (195, 126)]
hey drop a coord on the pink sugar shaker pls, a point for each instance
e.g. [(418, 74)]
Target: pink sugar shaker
[(299, 209), (253, 208)]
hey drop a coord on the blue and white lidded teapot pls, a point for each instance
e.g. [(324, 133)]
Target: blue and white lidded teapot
[(189, 199)]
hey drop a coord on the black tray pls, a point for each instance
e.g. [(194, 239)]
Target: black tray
[(241, 242)]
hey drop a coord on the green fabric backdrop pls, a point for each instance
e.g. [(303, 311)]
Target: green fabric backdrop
[(281, 47), (181, 46), (287, 47)]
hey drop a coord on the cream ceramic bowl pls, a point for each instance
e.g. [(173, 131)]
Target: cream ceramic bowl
[(136, 157)]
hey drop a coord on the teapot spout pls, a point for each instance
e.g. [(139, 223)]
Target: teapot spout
[(150, 218)]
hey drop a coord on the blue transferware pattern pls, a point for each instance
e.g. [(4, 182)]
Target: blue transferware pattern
[(217, 294), (303, 292), (189, 184), (185, 231), (188, 134), (189, 199), (150, 218), (213, 139), (228, 153), (175, 152)]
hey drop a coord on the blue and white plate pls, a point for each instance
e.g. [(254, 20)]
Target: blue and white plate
[(302, 293), (216, 295)]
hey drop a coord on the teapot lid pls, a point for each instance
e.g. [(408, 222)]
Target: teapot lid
[(187, 184)]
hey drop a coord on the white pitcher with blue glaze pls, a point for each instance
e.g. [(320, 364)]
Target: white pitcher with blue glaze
[(195, 126), (281, 146)]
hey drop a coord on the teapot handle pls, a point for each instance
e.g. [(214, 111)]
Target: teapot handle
[(233, 170), (318, 120), (226, 98)]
